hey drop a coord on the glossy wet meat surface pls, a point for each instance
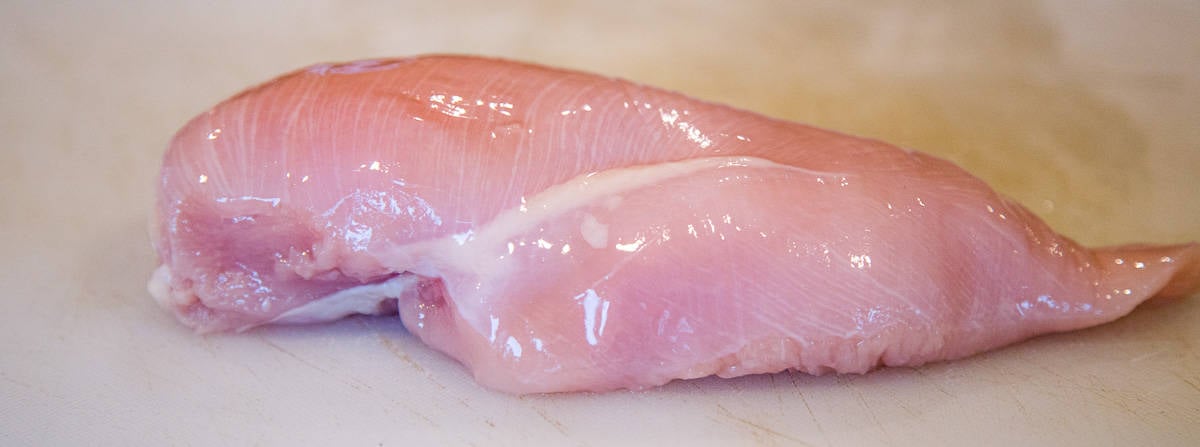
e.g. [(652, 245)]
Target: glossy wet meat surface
[(558, 231)]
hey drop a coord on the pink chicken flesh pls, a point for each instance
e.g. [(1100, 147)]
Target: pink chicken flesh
[(560, 231)]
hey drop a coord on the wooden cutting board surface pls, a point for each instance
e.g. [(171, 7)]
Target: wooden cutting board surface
[(1088, 112)]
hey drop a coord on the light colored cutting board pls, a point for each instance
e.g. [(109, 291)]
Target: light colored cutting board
[(1088, 112)]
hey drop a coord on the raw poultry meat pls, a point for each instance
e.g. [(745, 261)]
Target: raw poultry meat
[(560, 231)]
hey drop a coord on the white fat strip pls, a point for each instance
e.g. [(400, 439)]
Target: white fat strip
[(482, 251), (589, 188), (364, 299)]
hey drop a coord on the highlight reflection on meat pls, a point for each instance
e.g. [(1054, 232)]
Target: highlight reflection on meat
[(560, 231)]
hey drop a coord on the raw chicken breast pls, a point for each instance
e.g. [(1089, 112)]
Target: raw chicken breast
[(559, 231)]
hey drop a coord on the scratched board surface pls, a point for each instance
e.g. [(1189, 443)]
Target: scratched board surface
[(1084, 111)]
